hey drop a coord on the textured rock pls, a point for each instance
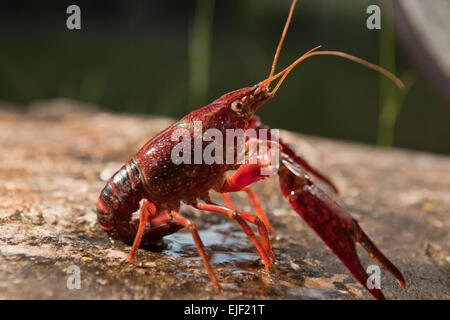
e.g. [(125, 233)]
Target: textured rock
[(54, 157)]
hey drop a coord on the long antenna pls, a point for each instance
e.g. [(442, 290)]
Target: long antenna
[(283, 74), (311, 53), (286, 26), (268, 80)]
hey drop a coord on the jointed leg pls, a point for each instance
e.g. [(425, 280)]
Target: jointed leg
[(240, 218), (258, 208), (188, 224), (256, 205), (145, 207), (256, 220), (227, 201), (266, 164)]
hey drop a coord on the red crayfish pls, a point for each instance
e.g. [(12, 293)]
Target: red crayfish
[(154, 184)]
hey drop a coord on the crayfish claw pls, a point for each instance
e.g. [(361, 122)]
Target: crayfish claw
[(376, 255), (336, 227)]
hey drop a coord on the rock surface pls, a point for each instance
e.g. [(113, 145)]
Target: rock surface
[(55, 157)]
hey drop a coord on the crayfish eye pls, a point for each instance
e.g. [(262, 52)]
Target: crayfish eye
[(236, 106)]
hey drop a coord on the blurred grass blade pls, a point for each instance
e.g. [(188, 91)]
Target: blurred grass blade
[(388, 99), (199, 53)]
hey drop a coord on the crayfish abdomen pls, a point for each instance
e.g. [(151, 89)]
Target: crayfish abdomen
[(119, 199)]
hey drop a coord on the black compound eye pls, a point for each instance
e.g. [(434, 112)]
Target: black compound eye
[(236, 106)]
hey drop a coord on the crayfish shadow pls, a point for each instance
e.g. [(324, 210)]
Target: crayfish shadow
[(154, 245)]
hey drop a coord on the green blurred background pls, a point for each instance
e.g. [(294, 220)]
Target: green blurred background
[(168, 58)]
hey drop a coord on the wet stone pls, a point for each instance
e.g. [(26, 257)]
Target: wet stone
[(54, 164)]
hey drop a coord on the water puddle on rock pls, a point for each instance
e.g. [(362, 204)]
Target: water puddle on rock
[(223, 246), (232, 249), (319, 288), (314, 292)]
